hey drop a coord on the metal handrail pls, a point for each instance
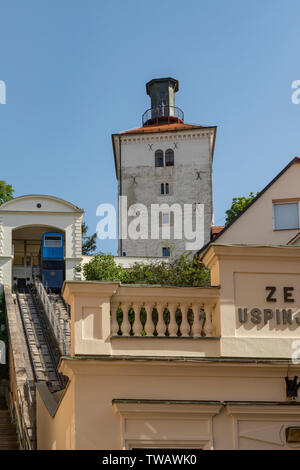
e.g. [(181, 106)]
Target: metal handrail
[(17, 413), (162, 112), (59, 332), (22, 429)]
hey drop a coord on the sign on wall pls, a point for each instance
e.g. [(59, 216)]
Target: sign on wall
[(268, 303)]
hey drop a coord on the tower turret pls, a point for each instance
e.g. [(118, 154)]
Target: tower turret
[(163, 110)]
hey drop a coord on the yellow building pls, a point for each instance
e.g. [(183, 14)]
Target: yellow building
[(228, 382), (225, 378)]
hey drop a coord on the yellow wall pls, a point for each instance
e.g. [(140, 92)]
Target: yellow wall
[(233, 400), (244, 272), (102, 425), (58, 432)]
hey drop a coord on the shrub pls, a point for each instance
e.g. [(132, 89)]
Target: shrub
[(184, 271)]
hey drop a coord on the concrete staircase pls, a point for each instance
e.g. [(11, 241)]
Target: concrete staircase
[(8, 435)]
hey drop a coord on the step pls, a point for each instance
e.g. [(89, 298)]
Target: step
[(8, 437), (3, 405), (6, 425), (7, 428), (5, 417), (9, 446)]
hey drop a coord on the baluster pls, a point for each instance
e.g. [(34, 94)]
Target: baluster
[(126, 327), (172, 327), (185, 326), (114, 325), (208, 326), (197, 324), (161, 325), (137, 326), (149, 325)]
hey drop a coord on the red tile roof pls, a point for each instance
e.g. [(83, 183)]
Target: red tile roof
[(215, 229), (163, 128)]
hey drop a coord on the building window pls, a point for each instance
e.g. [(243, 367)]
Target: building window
[(169, 157), (165, 218), (159, 158), (166, 251), (164, 188), (286, 216)]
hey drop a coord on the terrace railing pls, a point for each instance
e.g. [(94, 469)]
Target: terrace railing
[(115, 319)]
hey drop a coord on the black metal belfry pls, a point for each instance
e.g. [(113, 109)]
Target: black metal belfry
[(162, 94)]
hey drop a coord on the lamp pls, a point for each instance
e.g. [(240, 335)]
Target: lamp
[(292, 435)]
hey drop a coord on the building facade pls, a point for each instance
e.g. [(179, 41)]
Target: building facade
[(206, 368), (226, 380), (164, 162), (273, 217), (23, 220)]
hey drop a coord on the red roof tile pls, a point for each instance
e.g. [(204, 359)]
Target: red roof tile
[(163, 128), (215, 229)]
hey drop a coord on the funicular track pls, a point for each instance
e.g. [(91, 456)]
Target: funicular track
[(62, 313), (42, 351)]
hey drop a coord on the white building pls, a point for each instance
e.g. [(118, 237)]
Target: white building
[(164, 161), (23, 220)]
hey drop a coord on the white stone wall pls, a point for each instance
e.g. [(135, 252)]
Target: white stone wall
[(189, 180), (54, 212)]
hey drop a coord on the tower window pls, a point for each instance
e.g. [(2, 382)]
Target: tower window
[(159, 158), (165, 218), (169, 157), (164, 188), (166, 251)]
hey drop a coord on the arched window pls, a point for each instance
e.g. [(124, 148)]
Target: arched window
[(169, 156), (159, 158), (164, 188)]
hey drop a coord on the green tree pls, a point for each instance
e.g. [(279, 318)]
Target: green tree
[(238, 205), (184, 271), (6, 192), (102, 267), (88, 241)]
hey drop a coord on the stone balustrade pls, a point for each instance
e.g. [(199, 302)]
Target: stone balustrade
[(115, 319), (162, 319)]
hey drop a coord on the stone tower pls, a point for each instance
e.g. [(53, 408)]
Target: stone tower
[(162, 163)]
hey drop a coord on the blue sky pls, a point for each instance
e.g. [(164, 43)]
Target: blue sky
[(75, 73)]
